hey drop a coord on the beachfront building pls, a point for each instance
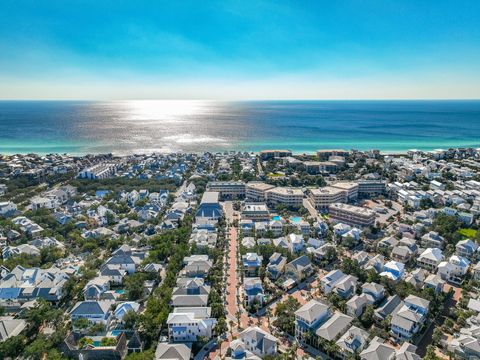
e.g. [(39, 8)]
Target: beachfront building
[(255, 191), (291, 197), (326, 154), (274, 154), (228, 189), (98, 171), (351, 215)]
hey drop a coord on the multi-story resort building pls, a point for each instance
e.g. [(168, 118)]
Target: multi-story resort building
[(256, 191), (98, 171), (351, 215), (350, 188), (367, 188), (320, 167), (325, 154), (255, 211), (321, 198), (228, 189), (274, 154), (286, 196)]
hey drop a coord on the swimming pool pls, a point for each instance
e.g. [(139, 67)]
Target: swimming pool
[(121, 291), (295, 219), (276, 217)]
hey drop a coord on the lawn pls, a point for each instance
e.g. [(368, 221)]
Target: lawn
[(468, 233)]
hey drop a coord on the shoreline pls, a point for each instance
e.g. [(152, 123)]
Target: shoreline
[(300, 153)]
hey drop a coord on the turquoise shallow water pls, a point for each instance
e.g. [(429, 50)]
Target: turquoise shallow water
[(124, 127)]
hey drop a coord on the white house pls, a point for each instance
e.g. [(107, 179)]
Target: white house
[(189, 324), (454, 270), (430, 258), (259, 342), (7, 208), (408, 319)]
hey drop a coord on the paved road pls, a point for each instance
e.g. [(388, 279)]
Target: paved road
[(313, 212)]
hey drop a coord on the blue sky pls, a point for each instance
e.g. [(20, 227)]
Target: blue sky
[(115, 49)]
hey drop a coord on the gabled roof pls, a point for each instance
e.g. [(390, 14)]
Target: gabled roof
[(167, 351), (334, 326), (11, 327), (311, 310), (377, 350), (91, 308), (300, 262)]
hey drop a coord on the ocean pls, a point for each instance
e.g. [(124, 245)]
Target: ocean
[(126, 127)]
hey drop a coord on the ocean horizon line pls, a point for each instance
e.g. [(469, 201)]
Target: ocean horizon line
[(249, 100)]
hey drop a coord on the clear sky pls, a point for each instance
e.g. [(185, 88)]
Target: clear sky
[(335, 49)]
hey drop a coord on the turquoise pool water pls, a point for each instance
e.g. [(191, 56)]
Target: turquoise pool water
[(121, 291), (295, 219), (116, 332), (276, 217)]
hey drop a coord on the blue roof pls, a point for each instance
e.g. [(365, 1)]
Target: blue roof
[(9, 293), (209, 210), (101, 193), (254, 291)]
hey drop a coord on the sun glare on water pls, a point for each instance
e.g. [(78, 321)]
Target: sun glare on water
[(165, 110)]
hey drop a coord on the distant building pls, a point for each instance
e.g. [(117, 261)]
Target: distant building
[(274, 154), (325, 154), (98, 171)]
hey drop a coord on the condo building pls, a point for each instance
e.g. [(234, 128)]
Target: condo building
[(255, 212), (326, 154), (368, 188), (98, 171), (350, 188), (321, 198), (351, 215), (286, 196), (228, 189), (274, 154), (256, 191)]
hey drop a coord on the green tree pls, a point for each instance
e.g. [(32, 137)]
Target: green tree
[(367, 316), (285, 314), (130, 319)]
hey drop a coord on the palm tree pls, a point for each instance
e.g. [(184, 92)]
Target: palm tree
[(269, 315)]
